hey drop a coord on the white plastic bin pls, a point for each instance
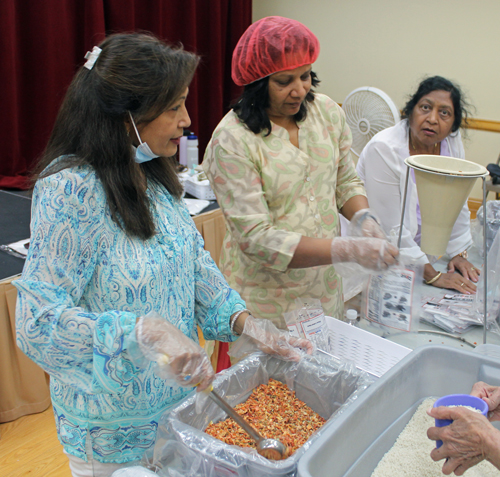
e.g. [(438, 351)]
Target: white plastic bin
[(369, 352)]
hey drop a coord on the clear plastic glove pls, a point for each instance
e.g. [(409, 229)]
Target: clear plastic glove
[(260, 334), (177, 356), (369, 252), (365, 223)]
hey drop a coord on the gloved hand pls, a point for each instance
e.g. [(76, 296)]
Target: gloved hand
[(365, 223), (260, 334), (374, 253), (177, 356)]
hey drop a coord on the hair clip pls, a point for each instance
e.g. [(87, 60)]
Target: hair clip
[(91, 57)]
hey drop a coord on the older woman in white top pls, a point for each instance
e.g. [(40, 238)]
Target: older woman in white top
[(430, 125)]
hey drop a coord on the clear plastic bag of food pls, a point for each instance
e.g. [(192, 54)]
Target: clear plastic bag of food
[(391, 299), (308, 321)]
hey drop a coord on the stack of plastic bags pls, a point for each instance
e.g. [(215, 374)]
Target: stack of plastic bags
[(452, 313)]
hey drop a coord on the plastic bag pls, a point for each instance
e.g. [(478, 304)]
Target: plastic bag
[(354, 279), (391, 299), (452, 313), (135, 471), (493, 290), (476, 230), (492, 225), (327, 385), (260, 334), (178, 460), (308, 321)]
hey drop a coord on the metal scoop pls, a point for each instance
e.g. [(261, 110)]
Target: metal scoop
[(269, 448)]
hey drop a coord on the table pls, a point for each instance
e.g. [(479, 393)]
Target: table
[(212, 228), (430, 334), (15, 207), (24, 385), (15, 216)]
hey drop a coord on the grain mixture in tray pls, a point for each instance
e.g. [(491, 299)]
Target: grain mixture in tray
[(276, 413)]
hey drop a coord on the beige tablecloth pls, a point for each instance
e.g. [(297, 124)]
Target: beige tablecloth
[(24, 385), (212, 228)]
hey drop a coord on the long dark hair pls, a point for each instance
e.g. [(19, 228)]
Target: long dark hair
[(134, 72), (438, 83), (252, 104)]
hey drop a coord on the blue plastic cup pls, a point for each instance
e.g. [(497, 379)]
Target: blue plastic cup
[(459, 400)]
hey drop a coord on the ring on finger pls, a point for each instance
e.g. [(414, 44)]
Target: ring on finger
[(472, 269), (461, 284)]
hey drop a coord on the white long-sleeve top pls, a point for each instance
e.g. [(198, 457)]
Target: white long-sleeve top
[(381, 166)]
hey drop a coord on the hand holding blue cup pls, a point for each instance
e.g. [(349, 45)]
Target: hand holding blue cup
[(459, 400)]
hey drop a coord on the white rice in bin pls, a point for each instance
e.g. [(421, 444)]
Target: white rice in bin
[(410, 454)]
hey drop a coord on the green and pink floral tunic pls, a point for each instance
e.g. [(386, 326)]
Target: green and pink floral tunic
[(273, 193)]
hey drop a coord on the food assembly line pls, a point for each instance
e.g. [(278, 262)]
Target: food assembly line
[(353, 305)]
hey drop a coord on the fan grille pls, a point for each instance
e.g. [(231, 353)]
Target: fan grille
[(367, 113)]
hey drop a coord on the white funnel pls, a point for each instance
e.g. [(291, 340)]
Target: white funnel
[(443, 185)]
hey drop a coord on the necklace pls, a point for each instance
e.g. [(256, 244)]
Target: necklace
[(415, 149)]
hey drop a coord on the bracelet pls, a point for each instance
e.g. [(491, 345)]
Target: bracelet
[(235, 317), (432, 280), (369, 215)]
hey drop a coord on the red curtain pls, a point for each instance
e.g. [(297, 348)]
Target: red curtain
[(44, 42)]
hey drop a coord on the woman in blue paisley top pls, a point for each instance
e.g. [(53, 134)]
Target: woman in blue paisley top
[(112, 242)]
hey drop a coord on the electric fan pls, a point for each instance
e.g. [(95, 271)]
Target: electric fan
[(368, 110)]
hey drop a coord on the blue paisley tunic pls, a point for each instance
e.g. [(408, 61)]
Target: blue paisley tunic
[(83, 286)]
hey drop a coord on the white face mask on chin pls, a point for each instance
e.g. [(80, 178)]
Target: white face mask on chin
[(143, 153)]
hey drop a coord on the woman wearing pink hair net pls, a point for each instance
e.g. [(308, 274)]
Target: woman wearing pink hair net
[(280, 165)]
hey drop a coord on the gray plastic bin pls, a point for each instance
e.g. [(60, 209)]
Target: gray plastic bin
[(356, 442), (328, 386)]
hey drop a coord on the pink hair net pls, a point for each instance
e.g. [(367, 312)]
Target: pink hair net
[(270, 45)]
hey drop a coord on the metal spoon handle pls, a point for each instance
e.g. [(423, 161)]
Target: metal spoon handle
[(239, 420)]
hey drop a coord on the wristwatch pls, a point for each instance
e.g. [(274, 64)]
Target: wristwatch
[(464, 254)]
